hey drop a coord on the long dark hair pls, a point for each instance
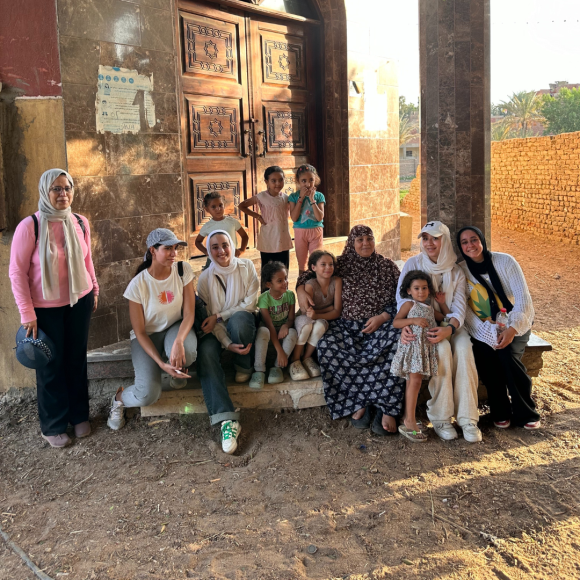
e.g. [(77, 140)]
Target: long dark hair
[(147, 261), (316, 255)]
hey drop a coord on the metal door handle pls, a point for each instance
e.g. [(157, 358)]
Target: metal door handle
[(263, 154), (249, 143)]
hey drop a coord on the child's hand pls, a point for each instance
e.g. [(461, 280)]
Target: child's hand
[(311, 193), (423, 322), (282, 359), (440, 297), (283, 332), (310, 312), (261, 220)]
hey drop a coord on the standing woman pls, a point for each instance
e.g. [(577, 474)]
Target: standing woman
[(55, 288), (356, 351), (495, 281)]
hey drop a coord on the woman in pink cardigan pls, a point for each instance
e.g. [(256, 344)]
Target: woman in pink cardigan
[(54, 284)]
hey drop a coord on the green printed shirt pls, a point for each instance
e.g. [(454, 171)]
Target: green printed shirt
[(278, 309)]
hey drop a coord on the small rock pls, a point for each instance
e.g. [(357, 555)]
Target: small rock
[(556, 276), (312, 549)]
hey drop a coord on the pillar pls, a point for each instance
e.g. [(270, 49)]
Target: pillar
[(455, 113)]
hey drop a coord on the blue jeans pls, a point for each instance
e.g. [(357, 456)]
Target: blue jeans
[(242, 330)]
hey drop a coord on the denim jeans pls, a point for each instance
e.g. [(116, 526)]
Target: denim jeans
[(242, 330)]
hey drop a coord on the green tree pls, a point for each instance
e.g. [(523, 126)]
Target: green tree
[(562, 112), (501, 131), (406, 130), (406, 109), (522, 109)]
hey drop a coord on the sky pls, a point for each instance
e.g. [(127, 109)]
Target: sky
[(533, 43)]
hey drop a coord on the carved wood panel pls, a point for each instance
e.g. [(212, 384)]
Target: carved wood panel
[(229, 185), (286, 128), (210, 47), (214, 125), (283, 60)]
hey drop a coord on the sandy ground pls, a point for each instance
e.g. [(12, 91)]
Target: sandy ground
[(307, 497)]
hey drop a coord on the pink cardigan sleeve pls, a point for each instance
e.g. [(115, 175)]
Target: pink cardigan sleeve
[(23, 244), (89, 258)]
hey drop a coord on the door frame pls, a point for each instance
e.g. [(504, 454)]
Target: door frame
[(331, 106)]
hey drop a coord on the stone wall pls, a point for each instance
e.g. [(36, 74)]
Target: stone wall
[(535, 186), (412, 201)]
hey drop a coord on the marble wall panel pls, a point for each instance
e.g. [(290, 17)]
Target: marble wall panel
[(85, 153), (156, 29)]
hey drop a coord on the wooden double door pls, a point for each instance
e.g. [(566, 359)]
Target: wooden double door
[(249, 101)]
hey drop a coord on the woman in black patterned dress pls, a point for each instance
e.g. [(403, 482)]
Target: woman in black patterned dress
[(356, 351)]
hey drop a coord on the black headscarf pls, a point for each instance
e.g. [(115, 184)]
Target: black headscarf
[(485, 267)]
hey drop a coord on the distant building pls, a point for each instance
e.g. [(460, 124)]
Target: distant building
[(556, 87)]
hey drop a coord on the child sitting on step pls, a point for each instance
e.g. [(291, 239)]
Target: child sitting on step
[(277, 311)]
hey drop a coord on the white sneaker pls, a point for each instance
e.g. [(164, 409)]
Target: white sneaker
[(298, 372), (445, 430), (175, 383), (471, 432), (230, 433), (311, 367), (116, 418), (242, 377)]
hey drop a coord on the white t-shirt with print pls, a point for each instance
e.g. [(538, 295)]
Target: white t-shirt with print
[(162, 300), (229, 224)]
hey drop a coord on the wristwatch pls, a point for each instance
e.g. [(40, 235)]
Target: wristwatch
[(219, 319), (453, 329)]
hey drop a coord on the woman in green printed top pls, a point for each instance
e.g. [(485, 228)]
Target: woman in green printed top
[(277, 310), (307, 213)]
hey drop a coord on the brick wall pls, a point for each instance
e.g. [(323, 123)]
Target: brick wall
[(535, 186), (412, 201)]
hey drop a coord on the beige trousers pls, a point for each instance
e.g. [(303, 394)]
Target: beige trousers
[(454, 389)]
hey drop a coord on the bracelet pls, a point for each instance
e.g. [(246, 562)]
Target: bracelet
[(453, 329)]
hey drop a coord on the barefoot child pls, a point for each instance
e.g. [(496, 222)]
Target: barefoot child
[(277, 310), (418, 359), (307, 213), (213, 203), (325, 298), (274, 240)]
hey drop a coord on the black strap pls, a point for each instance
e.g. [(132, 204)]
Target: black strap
[(180, 269), (79, 219), (221, 283)]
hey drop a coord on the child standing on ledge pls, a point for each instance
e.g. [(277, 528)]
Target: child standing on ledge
[(274, 240), (213, 203), (307, 213)]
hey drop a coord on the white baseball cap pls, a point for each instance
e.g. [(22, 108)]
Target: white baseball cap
[(435, 229)]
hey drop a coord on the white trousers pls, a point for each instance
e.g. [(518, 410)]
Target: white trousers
[(262, 340), (454, 389)]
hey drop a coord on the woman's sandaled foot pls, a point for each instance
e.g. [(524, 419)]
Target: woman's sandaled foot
[(361, 419), (384, 424), (414, 435)]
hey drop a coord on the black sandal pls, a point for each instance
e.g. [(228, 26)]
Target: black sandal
[(377, 427), (364, 422)]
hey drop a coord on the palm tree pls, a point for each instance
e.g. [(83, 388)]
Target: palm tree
[(406, 129), (522, 110), (501, 131)]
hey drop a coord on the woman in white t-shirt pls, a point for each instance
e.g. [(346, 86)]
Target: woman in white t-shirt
[(162, 311)]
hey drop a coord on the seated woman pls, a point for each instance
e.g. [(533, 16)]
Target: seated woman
[(496, 281), (356, 351), (162, 311)]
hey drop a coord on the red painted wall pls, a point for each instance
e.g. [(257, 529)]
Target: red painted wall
[(29, 59)]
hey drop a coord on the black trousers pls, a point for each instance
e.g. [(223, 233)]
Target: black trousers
[(62, 386), (283, 257), (502, 372)]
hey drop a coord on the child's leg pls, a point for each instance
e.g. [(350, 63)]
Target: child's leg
[(262, 340), (318, 329), (301, 244), (304, 332), (315, 239), (411, 395), (289, 342)]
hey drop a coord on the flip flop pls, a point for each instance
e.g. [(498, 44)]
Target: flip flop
[(414, 436)]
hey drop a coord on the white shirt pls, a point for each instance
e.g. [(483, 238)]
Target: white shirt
[(459, 302), (229, 224), (162, 300), (515, 287)]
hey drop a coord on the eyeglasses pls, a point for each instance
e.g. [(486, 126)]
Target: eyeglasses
[(59, 189)]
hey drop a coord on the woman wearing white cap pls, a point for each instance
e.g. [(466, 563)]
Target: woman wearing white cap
[(454, 389)]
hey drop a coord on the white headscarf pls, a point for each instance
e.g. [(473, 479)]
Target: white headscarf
[(48, 249), (219, 301), (445, 263)]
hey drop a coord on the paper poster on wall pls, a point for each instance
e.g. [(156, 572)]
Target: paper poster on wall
[(376, 103), (124, 103)]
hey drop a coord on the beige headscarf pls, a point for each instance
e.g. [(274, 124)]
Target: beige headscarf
[(445, 263), (48, 249)]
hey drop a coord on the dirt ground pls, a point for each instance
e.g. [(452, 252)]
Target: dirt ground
[(307, 497)]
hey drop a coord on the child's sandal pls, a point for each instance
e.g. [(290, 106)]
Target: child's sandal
[(414, 436)]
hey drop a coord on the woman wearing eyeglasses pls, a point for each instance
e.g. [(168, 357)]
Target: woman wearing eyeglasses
[(54, 284)]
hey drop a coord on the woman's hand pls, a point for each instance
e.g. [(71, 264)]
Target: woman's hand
[(177, 357), (174, 371), (96, 303), (239, 348), (31, 328), (374, 323), (209, 323), (283, 332), (422, 322), (506, 337), (440, 297), (407, 336), (282, 359), (238, 252), (439, 334)]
